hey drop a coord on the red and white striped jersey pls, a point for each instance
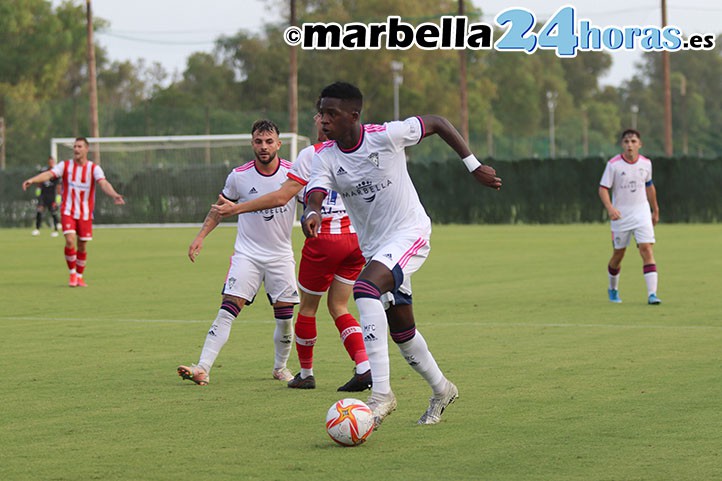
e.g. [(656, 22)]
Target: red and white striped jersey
[(334, 218), (78, 187)]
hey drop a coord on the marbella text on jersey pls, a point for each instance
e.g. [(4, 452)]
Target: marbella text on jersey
[(367, 190)]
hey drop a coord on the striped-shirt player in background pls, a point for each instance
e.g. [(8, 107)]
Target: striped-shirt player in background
[(79, 176), (633, 210), (366, 165), (262, 254), (330, 262)]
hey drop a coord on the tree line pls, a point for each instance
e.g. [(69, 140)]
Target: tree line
[(43, 86)]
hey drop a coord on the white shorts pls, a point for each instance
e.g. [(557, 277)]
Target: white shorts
[(409, 253), (643, 235), (245, 276)]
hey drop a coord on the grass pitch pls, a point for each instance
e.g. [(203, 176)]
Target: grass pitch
[(556, 383)]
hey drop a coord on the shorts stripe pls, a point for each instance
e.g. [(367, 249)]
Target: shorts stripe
[(411, 252)]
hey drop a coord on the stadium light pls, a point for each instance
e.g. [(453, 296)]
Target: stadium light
[(635, 110), (397, 67), (552, 105)]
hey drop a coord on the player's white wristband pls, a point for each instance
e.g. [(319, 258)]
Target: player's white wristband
[(304, 217), (471, 162)]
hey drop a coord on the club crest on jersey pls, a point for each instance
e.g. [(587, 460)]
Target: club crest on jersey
[(373, 158)]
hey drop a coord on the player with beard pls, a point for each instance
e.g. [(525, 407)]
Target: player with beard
[(262, 254)]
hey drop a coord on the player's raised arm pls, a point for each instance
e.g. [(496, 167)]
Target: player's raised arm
[(484, 174), (108, 189), (288, 189), (38, 179)]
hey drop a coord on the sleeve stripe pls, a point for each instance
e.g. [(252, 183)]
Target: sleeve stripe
[(423, 129), (315, 189), (301, 181)]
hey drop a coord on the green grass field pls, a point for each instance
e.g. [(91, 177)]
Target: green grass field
[(556, 383)]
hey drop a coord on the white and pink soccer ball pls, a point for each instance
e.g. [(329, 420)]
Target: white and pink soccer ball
[(349, 422)]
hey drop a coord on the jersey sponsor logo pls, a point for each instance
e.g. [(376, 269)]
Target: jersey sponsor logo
[(340, 171), (268, 214), (373, 158), (367, 190)]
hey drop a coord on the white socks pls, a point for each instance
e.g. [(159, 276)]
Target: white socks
[(372, 318), (417, 354), (215, 339), (282, 342)]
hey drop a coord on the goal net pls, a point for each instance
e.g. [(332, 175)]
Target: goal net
[(171, 179)]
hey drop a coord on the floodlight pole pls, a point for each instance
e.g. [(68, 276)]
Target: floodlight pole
[(2, 143), (552, 105), (668, 148), (293, 78), (397, 67), (463, 97), (92, 82)]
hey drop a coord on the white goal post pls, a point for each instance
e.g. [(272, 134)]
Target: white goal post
[(168, 179), (292, 140)]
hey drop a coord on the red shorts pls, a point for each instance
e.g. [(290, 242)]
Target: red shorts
[(82, 228), (328, 257)]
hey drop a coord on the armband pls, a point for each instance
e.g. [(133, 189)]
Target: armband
[(471, 162), (58, 199)]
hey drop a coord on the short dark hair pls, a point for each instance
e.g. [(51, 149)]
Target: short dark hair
[(344, 91), (265, 125), (630, 132), (83, 139)]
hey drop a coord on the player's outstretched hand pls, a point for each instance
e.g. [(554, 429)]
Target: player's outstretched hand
[(195, 248), (119, 200), (486, 175), (223, 207), (310, 223)]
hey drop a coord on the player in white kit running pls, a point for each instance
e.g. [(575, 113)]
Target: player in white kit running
[(633, 210), (366, 165), (262, 254)]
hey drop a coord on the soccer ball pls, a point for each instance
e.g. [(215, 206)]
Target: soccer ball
[(349, 422)]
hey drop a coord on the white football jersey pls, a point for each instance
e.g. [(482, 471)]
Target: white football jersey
[(627, 183), (334, 218), (373, 181), (78, 187), (263, 234)]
